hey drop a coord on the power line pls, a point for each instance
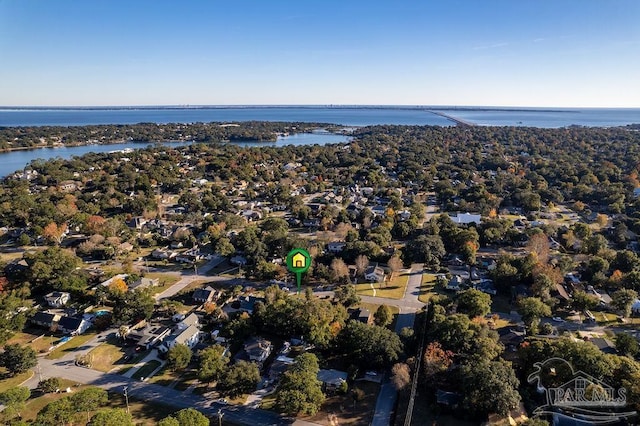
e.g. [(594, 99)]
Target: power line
[(416, 372)]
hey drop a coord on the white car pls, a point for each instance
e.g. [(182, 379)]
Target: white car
[(557, 319)]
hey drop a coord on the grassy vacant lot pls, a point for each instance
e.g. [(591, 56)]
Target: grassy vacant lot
[(146, 370), (393, 289), (71, 345), (144, 412), (165, 281), (110, 354), (182, 379), (339, 409), (427, 288), (38, 401), (221, 268), (38, 342), (7, 382)]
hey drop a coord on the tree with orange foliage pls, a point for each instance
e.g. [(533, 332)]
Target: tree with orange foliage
[(118, 286), (209, 307), (539, 244), (95, 224), (53, 232), (436, 360)]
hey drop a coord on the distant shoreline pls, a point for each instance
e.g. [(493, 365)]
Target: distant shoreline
[(362, 107)]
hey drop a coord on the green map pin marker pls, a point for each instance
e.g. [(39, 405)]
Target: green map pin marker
[(298, 262)]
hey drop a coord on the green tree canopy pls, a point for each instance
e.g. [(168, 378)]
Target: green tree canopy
[(623, 299), (370, 345), (299, 390), (56, 413), (490, 387), (346, 295), (111, 417), (179, 357), (191, 417), (17, 359), (240, 378), (532, 309), (89, 400), (383, 316), (213, 360), (474, 303), (14, 400), (626, 344)]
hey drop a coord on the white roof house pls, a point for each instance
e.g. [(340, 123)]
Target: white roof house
[(466, 218), (189, 336)]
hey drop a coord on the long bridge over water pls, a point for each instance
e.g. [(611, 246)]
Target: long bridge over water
[(458, 121)]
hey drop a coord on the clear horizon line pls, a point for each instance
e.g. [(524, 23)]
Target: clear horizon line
[(337, 106)]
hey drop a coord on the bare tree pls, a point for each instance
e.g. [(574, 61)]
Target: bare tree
[(400, 375), (395, 264), (362, 262), (339, 268)]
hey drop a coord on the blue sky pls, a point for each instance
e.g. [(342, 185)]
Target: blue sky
[(449, 52)]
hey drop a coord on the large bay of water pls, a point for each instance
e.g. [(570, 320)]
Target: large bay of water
[(547, 118), (345, 116)]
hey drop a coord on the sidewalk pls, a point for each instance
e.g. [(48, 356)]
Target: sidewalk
[(151, 356)]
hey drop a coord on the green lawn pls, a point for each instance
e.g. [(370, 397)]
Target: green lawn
[(110, 354), (164, 377), (268, 402), (146, 369), (186, 379), (34, 405), (393, 289), (165, 281), (192, 286), (11, 382), (605, 318), (38, 342), (71, 345), (427, 288), (144, 413)]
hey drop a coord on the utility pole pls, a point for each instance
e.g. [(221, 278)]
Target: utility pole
[(126, 397), (39, 372), (220, 414)]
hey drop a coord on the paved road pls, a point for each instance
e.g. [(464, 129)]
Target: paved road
[(408, 305), (188, 277), (66, 368)]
